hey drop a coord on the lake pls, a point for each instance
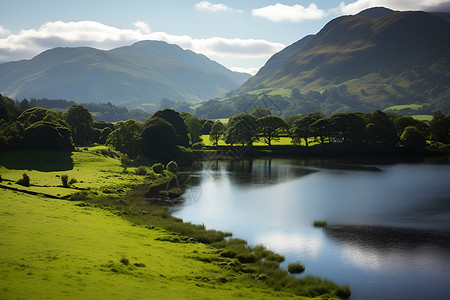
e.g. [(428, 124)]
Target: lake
[(388, 233)]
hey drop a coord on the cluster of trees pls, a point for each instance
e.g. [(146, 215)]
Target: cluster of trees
[(330, 101), (167, 134), (100, 111), (378, 129)]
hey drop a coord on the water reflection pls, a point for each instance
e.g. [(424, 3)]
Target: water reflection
[(273, 202)]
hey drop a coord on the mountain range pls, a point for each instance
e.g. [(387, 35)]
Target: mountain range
[(383, 57), (142, 73)]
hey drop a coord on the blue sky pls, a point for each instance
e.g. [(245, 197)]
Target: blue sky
[(239, 34)]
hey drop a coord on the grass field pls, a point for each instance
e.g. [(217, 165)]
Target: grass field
[(404, 106), (286, 141), (423, 117), (59, 249)]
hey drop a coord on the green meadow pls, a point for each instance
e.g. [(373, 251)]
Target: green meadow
[(53, 248), (282, 141)]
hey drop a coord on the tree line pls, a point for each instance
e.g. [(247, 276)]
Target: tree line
[(168, 134)]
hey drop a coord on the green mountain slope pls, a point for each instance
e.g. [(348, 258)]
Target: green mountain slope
[(141, 73), (381, 56)]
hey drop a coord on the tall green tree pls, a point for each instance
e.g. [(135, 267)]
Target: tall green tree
[(216, 132), (302, 129), (80, 122), (412, 138), (194, 128), (381, 131), (126, 137), (440, 127), (159, 139), (270, 128), (174, 118), (241, 129), (348, 127)]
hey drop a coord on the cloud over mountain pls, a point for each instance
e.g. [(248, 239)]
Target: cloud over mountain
[(28, 43)]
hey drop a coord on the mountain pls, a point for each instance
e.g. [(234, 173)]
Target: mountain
[(142, 73), (383, 57)]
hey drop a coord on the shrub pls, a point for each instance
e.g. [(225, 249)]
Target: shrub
[(172, 167), (72, 181), (246, 258), (24, 181), (320, 223), (158, 168), (65, 180), (141, 171), (296, 268)]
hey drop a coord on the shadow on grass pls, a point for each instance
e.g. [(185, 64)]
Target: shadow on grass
[(40, 160)]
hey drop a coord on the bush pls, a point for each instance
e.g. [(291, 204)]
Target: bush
[(320, 223), (65, 180), (141, 171), (246, 258), (72, 181), (296, 268), (24, 181), (158, 168), (172, 167)]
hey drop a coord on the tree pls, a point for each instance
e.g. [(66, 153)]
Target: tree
[(270, 128), (349, 127), (126, 137), (47, 135), (194, 128), (206, 126), (380, 131), (80, 122), (216, 132), (301, 128), (321, 128), (413, 138), (404, 121), (241, 129), (440, 127), (159, 138), (174, 118)]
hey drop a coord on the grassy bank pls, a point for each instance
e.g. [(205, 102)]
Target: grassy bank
[(112, 243)]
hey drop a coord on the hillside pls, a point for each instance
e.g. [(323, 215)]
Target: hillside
[(144, 72), (380, 56)]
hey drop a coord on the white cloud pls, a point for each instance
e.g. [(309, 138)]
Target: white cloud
[(28, 43), (296, 13), (359, 5), (208, 6), (3, 31), (142, 27), (251, 71)]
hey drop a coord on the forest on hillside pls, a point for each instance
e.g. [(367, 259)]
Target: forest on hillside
[(170, 135)]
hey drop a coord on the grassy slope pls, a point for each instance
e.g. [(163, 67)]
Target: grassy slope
[(57, 249)]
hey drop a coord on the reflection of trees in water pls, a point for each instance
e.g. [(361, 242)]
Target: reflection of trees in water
[(245, 172), (263, 171)]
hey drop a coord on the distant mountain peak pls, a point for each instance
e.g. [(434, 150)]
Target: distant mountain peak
[(375, 12), (139, 74)]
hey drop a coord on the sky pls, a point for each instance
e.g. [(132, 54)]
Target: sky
[(241, 35)]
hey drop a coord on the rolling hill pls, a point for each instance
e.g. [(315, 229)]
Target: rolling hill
[(380, 56), (141, 73)]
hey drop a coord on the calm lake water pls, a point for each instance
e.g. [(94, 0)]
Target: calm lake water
[(401, 252)]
